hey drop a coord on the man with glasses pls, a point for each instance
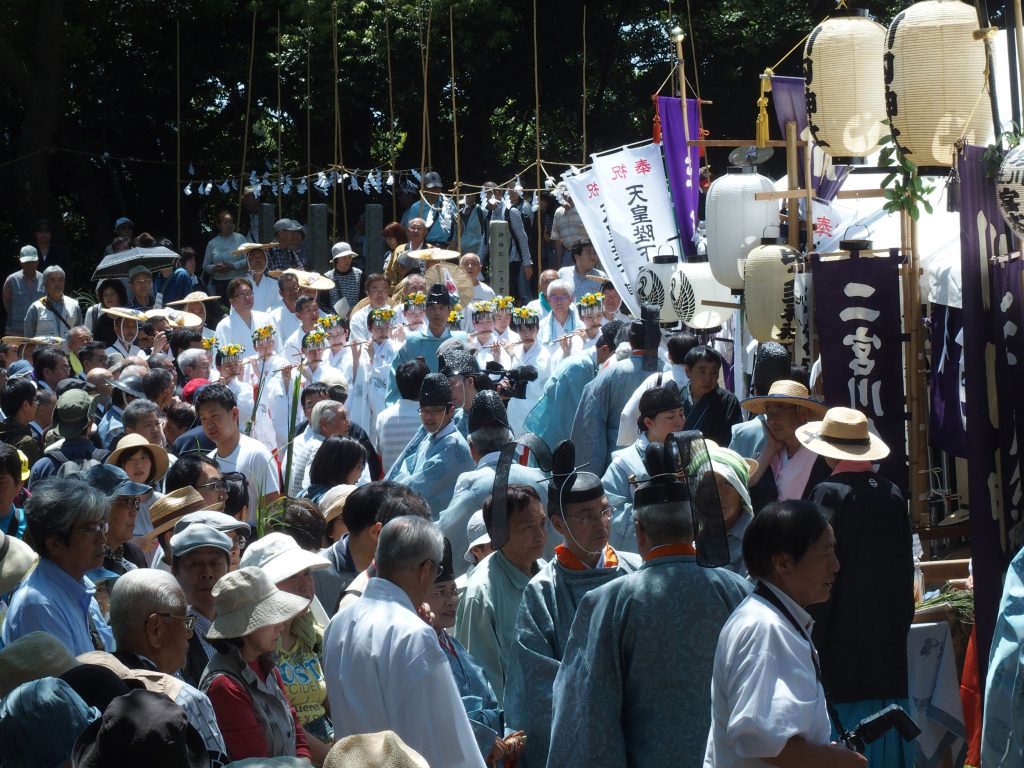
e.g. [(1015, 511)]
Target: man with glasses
[(67, 521), (242, 320), (431, 463), (283, 314), (140, 279), (579, 510)]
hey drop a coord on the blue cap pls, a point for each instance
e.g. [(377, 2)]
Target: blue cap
[(197, 536), (122, 221), (19, 368), (101, 574), (39, 723), (111, 480)]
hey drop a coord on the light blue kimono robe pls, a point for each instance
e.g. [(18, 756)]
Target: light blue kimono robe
[(1002, 735), (634, 687), (625, 462), (748, 437), (471, 490), (595, 428), (485, 716), (542, 631), (551, 418), (431, 464), (486, 619), (418, 344)]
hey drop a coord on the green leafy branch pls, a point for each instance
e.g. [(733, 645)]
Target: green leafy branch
[(904, 189), (994, 154)]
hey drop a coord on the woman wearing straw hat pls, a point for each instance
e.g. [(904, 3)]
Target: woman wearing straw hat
[(146, 464), (863, 671), (786, 470), (245, 687)]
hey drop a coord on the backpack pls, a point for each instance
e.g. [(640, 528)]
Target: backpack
[(68, 468)]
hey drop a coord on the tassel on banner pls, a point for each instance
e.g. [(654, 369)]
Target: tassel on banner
[(761, 131), (656, 128)]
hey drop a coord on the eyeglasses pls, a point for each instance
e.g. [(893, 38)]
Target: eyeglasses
[(438, 568), (592, 518), (238, 543), (558, 297), (92, 529), (190, 621), (219, 485), (129, 501), (243, 295), (434, 410)]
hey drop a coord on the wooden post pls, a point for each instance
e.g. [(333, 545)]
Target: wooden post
[(268, 215), (792, 171), (917, 434), (319, 251), (373, 247), (499, 242)]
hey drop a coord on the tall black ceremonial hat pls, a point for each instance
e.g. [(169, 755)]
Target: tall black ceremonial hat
[(458, 362), (568, 484), (645, 333), (610, 333), (435, 390), (771, 363), (660, 399), (438, 294), (487, 410), (447, 571)]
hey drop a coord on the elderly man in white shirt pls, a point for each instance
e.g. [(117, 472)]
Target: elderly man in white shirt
[(327, 418), (378, 649)]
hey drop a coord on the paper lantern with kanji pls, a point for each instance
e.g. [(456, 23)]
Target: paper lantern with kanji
[(1010, 189), (735, 222), (935, 80), (769, 295), (843, 84)]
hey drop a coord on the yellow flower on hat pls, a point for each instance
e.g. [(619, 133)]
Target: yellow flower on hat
[(328, 321), (455, 316), (590, 300), (263, 333), (504, 303), (383, 315), (525, 314), (482, 307), (314, 339), (232, 350), (209, 343), (417, 299)]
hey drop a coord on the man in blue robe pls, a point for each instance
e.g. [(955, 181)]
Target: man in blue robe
[(1002, 735), (424, 343), (595, 428), (431, 463), (661, 413), (488, 432), (634, 686), (578, 509)]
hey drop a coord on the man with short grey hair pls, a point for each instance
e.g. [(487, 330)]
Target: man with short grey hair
[(194, 364), (328, 417), (53, 314), (377, 649)]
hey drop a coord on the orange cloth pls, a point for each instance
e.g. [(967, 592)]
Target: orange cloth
[(568, 559), (670, 550)]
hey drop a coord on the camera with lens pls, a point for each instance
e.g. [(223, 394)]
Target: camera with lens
[(511, 382), (877, 725)]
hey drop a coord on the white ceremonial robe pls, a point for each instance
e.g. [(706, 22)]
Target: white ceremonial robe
[(385, 670), (233, 330), (539, 357), (266, 294)]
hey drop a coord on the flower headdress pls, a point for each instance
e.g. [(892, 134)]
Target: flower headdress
[(315, 339), (382, 316), (209, 343), (263, 333), (525, 316), (504, 303), (590, 303), (417, 300)]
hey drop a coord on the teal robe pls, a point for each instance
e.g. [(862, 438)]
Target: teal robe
[(551, 418), (485, 716), (634, 687), (417, 344), (625, 462), (542, 632), (1002, 735), (748, 437), (431, 464)]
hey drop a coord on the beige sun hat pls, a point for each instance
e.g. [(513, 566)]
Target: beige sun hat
[(130, 442), (247, 600), (381, 750), (192, 298), (171, 507), (786, 392), (843, 434), (176, 318), (17, 560), (31, 657), (313, 280), (246, 247), (332, 503), (125, 313)]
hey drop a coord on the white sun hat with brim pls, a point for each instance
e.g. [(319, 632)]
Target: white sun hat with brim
[(281, 557), (247, 247), (332, 503), (843, 434), (17, 560), (193, 298), (247, 600), (476, 533)]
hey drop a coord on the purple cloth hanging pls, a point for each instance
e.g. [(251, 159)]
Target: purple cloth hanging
[(683, 180)]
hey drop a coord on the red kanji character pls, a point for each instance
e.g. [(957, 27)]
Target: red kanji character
[(823, 226), (619, 171), (642, 166), (593, 190)]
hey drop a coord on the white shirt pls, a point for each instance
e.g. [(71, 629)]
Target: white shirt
[(232, 329), (386, 671), (395, 427), (303, 448), (287, 324), (764, 689), (357, 327), (540, 358), (253, 460), (628, 430), (266, 294), (370, 385)]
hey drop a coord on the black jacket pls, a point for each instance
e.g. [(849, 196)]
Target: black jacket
[(861, 632), (766, 491)]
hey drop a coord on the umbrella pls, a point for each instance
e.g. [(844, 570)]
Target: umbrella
[(118, 264)]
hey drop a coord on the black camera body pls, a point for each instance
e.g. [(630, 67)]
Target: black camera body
[(877, 725), (515, 379)]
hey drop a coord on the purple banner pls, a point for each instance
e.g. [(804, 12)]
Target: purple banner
[(947, 420), (789, 100), (980, 227), (683, 176), (857, 310)]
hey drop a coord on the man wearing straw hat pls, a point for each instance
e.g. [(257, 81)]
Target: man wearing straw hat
[(771, 363), (863, 671), (195, 303), (264, 287)]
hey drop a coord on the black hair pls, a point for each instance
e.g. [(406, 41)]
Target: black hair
[(302, 301), (409, 376), (235, 286), (578, 246), (403, 502), (702, 354), (46, 359), (147, 328), (799, 374), (237, 499), (155, 382), (334, 459), (118, 286), (679, 346), (181, 339), (90, 350), (10, 462), (187, 471), (181, 414), (361, 506), (217, 394), (302, 520), (15, 394), (781, 528), (337, 392), (517, 498), (130, 452), (317, 388)]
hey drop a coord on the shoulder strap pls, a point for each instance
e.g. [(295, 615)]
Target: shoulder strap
[(57, 456)]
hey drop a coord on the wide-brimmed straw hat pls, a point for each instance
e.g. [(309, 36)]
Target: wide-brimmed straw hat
[(31, 656), (246, 247), (280, 557), (332, 503), (247, 600), (156, 452), (842, 434), (125, 313), (176, 318), (170, 508), (785, 392), (192, 298), (383, 750), (313, 280)]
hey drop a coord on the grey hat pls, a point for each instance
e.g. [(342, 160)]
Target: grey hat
[(287, 225), (130, 385), (138, 270), (247, 600), (432, 180), (112, 481), (220, 521), (198, 536), (28, 253), (476, 533)]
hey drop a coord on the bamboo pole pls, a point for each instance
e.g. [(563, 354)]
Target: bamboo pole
[(792, 171)]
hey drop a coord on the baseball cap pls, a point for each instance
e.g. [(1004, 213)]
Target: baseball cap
[(124, 220), (28, 254)]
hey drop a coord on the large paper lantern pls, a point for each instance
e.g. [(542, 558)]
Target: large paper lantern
[(935, 81), (843, 85), (1010, 189), (769, 295), (691, 284), (652, 286), (736, 221)]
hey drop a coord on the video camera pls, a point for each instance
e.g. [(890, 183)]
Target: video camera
[(515, 379), (877, 725)]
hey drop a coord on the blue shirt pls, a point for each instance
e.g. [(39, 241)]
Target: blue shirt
[(12, 528), (51, 601)]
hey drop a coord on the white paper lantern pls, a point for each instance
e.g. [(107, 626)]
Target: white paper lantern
[(652, 286), (1010, 189), (736, 221), (691, 284), (843, 85), (934, 75), (769, 294)]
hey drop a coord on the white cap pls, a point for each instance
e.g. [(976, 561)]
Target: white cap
[(341, 249), (477, 534), (29, 253), (280, 557)]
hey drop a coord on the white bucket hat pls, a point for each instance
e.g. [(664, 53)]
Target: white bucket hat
[(280, 557), (17, 560), (476, 533), (247, 600)]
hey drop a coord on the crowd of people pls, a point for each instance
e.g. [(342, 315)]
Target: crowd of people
[(252, 511)]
